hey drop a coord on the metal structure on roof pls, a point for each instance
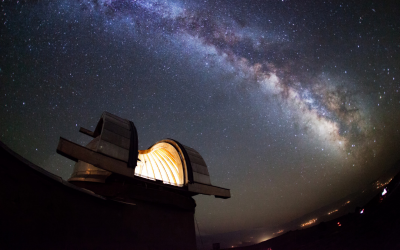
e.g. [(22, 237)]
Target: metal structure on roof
[(114, 151)]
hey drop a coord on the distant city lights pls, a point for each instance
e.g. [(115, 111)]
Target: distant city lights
[(339, 224), (309, 222), (334, 211), (265, 239), (280, 231), (347, 202), (379, 185)]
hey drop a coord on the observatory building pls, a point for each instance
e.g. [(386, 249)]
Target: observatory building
[(118, 197)]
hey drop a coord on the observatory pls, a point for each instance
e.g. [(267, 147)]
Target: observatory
[(159, 181), (118, 197), (114, 151)]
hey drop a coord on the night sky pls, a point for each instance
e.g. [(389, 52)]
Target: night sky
[(292, 104)]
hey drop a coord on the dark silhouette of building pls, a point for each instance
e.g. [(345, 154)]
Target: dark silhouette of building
[(216, 246), (118, 197)]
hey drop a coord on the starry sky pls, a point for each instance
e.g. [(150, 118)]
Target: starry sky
[(292, 104)]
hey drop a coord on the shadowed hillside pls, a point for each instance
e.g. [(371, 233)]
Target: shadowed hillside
[(374, 226)]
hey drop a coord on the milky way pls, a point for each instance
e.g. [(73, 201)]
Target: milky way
[(293, 105), (321, 105)]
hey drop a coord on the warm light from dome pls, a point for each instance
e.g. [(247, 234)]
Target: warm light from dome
[(161, 162)]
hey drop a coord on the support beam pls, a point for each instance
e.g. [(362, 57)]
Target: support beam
[(218, 192), (86, 132), (77, 152)]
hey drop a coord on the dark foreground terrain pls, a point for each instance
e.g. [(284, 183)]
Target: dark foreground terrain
[(378, 227)]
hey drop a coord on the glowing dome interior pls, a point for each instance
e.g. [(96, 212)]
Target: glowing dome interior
[(161, 162)]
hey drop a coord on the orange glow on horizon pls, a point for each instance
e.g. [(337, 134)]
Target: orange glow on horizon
[(334, 211), (312, 221), (280, 231), (347, 202)]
